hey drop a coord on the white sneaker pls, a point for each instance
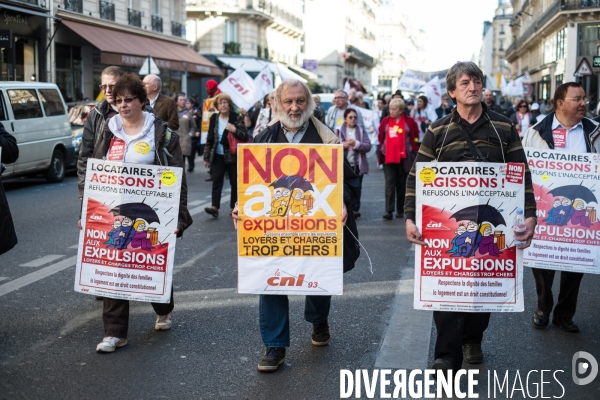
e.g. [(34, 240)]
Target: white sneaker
[(163, 322), (110, 344)]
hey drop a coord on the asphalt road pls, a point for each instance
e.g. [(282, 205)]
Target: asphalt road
[(49, 333)]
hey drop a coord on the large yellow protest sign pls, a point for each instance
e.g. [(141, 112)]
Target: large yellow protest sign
[(208, 109), (290, 200)]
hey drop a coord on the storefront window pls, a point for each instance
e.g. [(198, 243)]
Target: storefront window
[(21, 62), (68, 72)]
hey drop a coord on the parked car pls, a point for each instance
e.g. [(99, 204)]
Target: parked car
[(36, 115)]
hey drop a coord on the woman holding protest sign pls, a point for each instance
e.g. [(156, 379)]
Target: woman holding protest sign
[(217, 154), (398, 135), (136, 136)]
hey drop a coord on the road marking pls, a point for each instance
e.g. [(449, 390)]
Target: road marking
[(194, 203), (75, 246), (37, 275), (42, 260), (406, 341), (3, 278)]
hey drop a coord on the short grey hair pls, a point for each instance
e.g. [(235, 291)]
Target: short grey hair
[(398, 103), (459, 69), (341, 91), (310, 102)]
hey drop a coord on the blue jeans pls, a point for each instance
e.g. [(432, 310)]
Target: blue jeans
[(274, 317)]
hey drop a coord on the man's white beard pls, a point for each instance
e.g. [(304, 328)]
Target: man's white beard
[(294, 123)]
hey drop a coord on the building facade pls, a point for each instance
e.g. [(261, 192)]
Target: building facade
[(392, 40), (496, 39), (556, 42), (248, 34), (341, 40), (71, 41)]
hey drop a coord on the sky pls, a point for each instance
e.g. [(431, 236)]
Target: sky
[(454, 27)]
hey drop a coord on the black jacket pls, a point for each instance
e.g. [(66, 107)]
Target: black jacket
[(213, 136), (92, 130), (590, 128), (10, 153)]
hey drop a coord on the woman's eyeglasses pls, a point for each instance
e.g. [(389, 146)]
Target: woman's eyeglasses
[(352, 117), (127, 100), (523, 106)]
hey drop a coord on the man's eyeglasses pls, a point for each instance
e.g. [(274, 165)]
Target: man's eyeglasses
[(579, 99), (127, 100), (339, 97), (104, 87)]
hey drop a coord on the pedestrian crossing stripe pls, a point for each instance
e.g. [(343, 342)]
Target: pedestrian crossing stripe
[(584, 68)]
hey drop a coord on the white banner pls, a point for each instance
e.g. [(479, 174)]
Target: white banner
[(465, 212), (567, 236), (371, 121), (241, 87), (263, 83), (127, 241), (512, 88), (433, 91), (413, 81)]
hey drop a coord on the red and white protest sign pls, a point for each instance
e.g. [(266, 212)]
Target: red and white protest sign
[(127, 241), (465, 212), (567, 235)]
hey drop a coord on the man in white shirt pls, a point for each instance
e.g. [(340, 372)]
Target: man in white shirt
[(566, 129), (335, 114)]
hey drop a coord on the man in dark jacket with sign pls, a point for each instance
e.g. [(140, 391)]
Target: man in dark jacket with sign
[(494, 139), (93, 127), (295, 124), (566, 129), (9, 152)]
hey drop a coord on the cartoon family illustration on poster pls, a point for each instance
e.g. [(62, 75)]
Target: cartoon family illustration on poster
[(572, 206), (131, 227), (291, 194)]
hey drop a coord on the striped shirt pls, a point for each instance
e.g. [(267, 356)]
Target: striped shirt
[(444, 140)]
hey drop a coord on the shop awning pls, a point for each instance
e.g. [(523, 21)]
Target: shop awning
[(304, 72), (123, 48), (248, 64)]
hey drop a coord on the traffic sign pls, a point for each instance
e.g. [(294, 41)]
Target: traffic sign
[(596, 61), (584, 68), (527, 89), (149, 67)]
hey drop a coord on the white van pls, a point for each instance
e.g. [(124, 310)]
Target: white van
[(36, 115)]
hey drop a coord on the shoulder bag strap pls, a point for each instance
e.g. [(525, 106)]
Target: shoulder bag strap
[(474, 150)]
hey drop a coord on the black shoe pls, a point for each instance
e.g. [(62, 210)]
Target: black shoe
[(320, 335), (472, 353), (190, 170), (356, 214), (540, 320), (387, 216), (566, 324), (398, 215), (99, 298), (273, 358), (209, 179), (442, 364), (212, 211)]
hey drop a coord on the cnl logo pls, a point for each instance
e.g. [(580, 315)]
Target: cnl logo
[(433, 224), (96, 217), (278, 280)]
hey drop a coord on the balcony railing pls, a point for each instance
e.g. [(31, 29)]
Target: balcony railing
[(107, 10), (554, 9), (74, 5), (176, 29), (134, 17), (577, 4), (157, 23)]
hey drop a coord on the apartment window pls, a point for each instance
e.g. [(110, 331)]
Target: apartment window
[(501, 45), (588, 36), (155, 7), (230, 31), (560, 44), (502, 29), (559, 79), (550, 50)]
